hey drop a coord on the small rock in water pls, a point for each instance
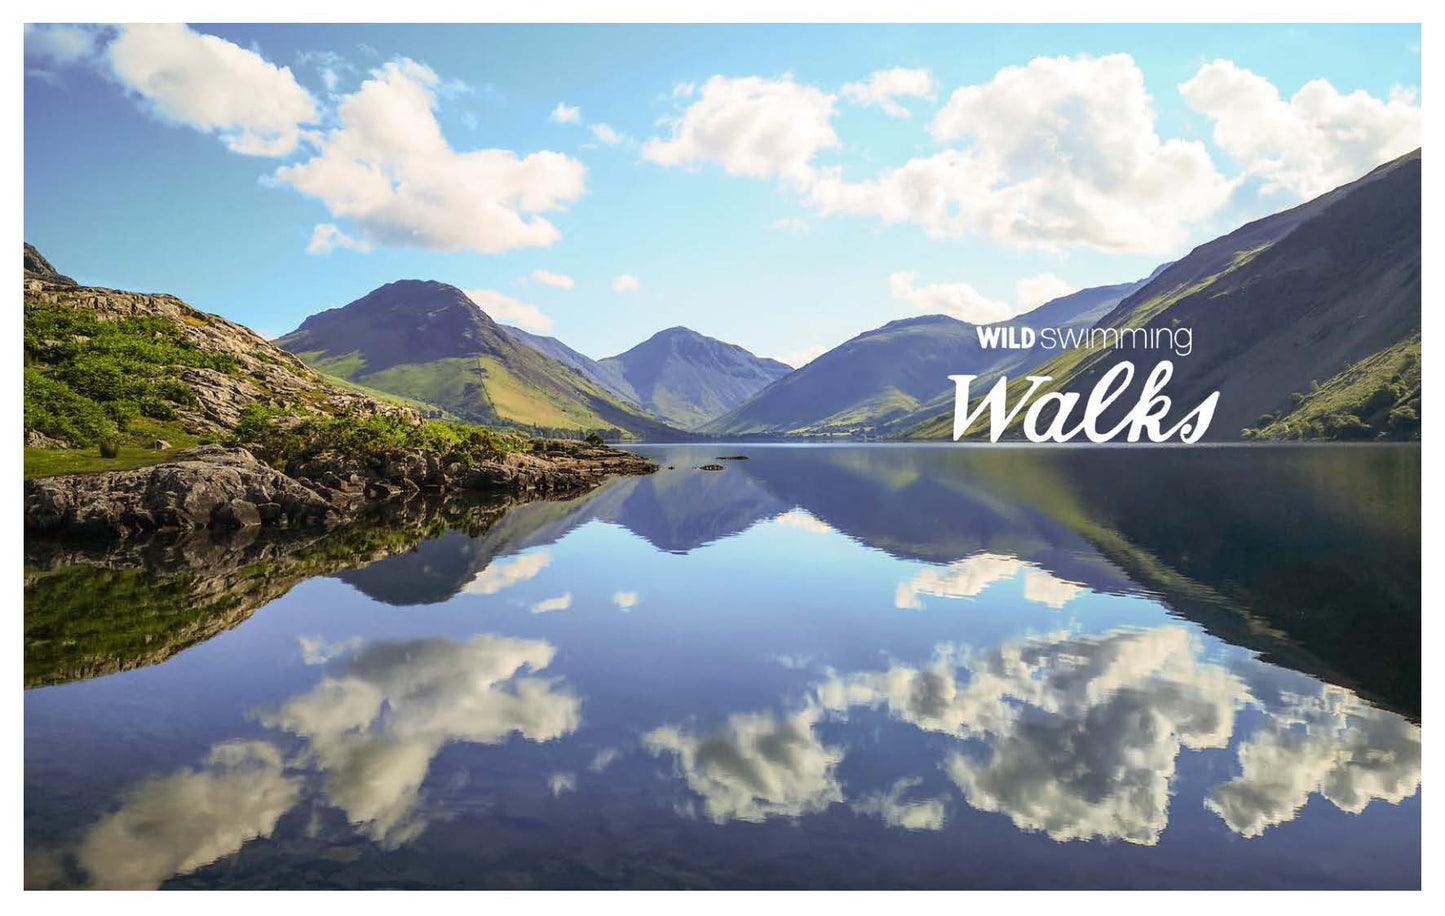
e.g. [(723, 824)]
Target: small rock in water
[(710, 467)]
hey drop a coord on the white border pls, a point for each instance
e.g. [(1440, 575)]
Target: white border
[(762, 11)]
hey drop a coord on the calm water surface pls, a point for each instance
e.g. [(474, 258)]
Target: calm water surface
[(838, 666)]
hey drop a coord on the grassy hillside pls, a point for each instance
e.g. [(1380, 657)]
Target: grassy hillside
[(429, 342), (1293, 297), (1376, 398), (891, 378)]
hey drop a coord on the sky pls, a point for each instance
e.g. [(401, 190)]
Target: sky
[(781, 187)]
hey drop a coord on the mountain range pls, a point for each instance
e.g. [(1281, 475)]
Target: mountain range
[(1306, 321)]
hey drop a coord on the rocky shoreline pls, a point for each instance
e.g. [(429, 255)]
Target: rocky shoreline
[(216, 487)]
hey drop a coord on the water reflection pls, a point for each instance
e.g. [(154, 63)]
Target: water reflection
[(889, 666)]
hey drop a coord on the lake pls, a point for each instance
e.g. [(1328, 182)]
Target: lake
[(831, 666)]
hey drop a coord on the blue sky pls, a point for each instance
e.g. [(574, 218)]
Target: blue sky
[(763, 186)]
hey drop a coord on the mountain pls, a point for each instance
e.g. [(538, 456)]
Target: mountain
[(897, 375), (609, 376), (1279, 308), (688, 379), (427, 340)]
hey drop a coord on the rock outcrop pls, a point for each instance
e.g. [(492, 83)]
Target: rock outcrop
[(217, 487)]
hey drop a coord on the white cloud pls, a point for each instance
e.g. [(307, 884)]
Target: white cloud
[(1311, 143), (317, 651), (756, 766), (751, 126), (957, 299), (803, 520), (559, 603), (885, 86), (1033, 292), (1332, 744), (175, 824), (626, 283), (625, 600), (801, 357), (502, 573), (604, 759), (1059, 152), (61, 44), (373, 728), (1081, 734), (208, 83), (605, 134), (547, 278), (507, 310), (565, 114), (388, 168), (327, 237), (964, 302), (927, 814), (969, 577), (559, 783)]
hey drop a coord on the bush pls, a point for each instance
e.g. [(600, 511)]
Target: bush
[(281, 438), (109, 448), (55, 410), (594, 438)]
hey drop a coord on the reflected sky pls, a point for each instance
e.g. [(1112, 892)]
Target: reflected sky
[(821, 667)]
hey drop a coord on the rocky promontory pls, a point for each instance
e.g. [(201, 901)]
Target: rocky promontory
[(227, 487)]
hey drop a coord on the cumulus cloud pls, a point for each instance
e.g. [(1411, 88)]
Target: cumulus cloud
[(965, 303), (1310, 143), (923, 814), (1332, 744), (547, 278), (751, 126), (625, 600), (175, 824), (801, 357), (507, 310), (884, 87), (328, 237), (803, 520), (1033, 292), (388, 169), (373, 727), (756, 766), (208, 83), (565, 114), (960, 300), (559, 603), (1081, 734), (502, 573), (626, 283), (605, 134), (317, 651), (1057, 153)]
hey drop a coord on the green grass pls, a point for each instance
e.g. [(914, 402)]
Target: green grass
[(89, 380), (1375, 398), (133, 452)]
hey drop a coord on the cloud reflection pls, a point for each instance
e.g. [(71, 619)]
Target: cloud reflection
[(175, 824), (502, 573), (969, 577), (1331, 744), (1079, 735), (756, 766), (373, 727)]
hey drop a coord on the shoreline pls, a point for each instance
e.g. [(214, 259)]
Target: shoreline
[(227, 488)]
